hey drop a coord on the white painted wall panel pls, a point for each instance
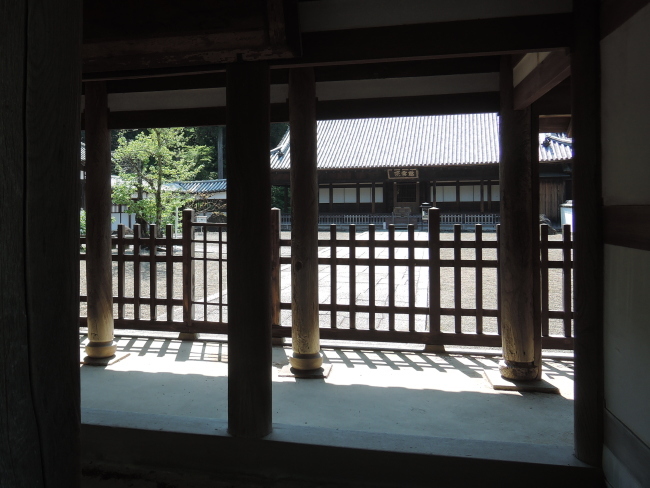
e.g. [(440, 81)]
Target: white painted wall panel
[(161, 100), (323, 195), (627, 337), (625, 100)]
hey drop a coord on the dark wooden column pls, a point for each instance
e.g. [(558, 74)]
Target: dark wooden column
[(304, 221), (516, 264), (40, 79), (249, 241), (98, 222), (588, 234)]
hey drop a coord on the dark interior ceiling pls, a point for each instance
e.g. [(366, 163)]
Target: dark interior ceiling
[(418, 60)]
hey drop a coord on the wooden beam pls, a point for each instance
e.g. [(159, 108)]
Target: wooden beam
[(209, 76), (588, 271), (249, 259), (554, 69), (39, 263), (401, 69), (485, 37), (427, 41), (201, 33), (408, 106)]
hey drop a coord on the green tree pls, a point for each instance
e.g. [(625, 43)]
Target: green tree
[(147, 164)]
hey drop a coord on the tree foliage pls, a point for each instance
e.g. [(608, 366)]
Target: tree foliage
[(147, 164)]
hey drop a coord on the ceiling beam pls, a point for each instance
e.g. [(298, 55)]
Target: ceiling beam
[(554, 69), (461, 103), (438, 40), (211, 76), (484, 37), (163, 35)]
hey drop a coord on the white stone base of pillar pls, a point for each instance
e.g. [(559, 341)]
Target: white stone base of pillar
[(513, 370), (306, 362), (101, 349)]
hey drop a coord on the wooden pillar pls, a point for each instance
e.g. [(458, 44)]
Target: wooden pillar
[(276, 311), (394, 195), (304, 221), (516, 264), (249, 260), (535, 230), (489, 192), (373, 198), (40, 78), (98, 223), (331, 188), (588, 235)]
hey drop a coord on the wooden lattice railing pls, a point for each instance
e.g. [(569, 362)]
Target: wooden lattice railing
[(388, 286)]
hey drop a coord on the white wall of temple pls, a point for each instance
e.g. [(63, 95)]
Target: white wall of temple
[(626, 177)]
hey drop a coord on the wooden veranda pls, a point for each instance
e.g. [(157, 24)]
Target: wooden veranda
[(71, 64)]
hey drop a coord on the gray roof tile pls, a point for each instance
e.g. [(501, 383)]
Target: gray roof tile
[(443, 140)]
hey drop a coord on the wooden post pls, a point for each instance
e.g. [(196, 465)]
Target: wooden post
[(98, 227), (40, 73), (588, 234), (433, 344), (516, 256), (275, 267), (249, 236), (189, 276), (535, 237), (304, 221)]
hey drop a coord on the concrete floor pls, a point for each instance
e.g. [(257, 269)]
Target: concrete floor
[(369, 389)]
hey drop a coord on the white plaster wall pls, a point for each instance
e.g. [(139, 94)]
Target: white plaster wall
[(626, 179), (627, 337), (625, 112)]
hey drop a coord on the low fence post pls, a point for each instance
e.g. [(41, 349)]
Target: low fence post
[(434, 343), (567, 246), (276, 219), (189, 278)]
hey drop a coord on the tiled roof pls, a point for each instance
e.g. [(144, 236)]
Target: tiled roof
[(444, 140), (553, 147), (201, 186)]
